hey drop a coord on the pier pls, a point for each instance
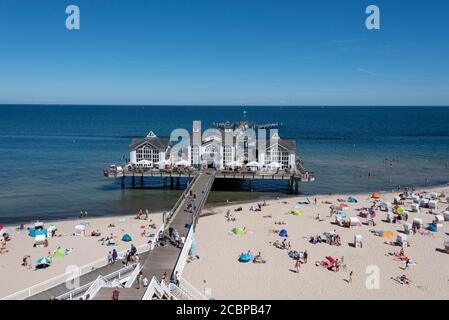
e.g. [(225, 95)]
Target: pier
[(164, 259)]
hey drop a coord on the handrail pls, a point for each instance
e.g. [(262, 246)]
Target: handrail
[(55, 281), (119, 274), (94, 288), (133, 276)]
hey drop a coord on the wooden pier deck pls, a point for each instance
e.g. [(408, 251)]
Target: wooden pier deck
[(163, 259)]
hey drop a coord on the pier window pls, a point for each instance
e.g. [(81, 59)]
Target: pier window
[(227, 154), (147, 152)]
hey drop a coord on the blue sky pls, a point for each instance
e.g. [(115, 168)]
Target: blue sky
[(225, 52)]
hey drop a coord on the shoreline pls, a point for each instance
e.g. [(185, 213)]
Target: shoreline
[(220, 204)]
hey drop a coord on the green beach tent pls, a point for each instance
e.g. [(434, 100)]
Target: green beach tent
[(239, 231), (296, 213), (59, 253)]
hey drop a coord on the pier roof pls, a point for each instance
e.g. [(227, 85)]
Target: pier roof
[(158, 143)]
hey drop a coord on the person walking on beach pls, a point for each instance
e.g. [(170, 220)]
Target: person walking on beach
[(305, 256), (350, 277), (297, 265)]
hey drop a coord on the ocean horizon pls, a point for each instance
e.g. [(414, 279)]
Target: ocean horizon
[(52, 158)]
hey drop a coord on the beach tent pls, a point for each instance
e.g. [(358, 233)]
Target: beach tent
[(418, 222), (51, 228), (433, 204), (33, 232), (385, 206), (38, 225), (407, 228), (401, 240), (296, 212), (283, 233), (400, 211), (439, 219), (126, 237), (59, 253), (355, 222), (307, 201), (358, 238), (239, 231), (39, 240), (446, 215), (352, 200), (431, 227), (446, 244), (375, 196), (245, 257), (80, 229)]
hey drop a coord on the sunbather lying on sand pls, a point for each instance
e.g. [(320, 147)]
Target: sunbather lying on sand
[(280, 223), (402, 279), (258, 259), (268, 216)]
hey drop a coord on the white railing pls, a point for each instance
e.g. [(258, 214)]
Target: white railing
[(120, 275), (133, 276), (182, 258), (156, 237), (94, 288), (68, 276), (155, 287)]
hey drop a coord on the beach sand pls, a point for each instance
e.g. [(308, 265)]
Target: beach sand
[(218, 269), (87, 249)]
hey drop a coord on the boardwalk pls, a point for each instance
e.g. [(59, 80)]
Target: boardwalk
[(163, 259), (84, 279)]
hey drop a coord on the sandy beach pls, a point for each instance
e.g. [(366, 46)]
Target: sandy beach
[(218, 250), (85, 249)]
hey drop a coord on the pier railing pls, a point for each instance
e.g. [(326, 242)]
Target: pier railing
[(76, 274)]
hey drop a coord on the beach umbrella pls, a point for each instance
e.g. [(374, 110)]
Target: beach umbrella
[(432, 227), (283, 233), (245, 257), (234, 164), (253, 164), (43, 261), (375, 196), (182, 163), (400, 210), (274, 165), (296, 213), (239, 231)]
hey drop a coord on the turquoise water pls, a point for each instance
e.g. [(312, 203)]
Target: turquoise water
[(51, 157)]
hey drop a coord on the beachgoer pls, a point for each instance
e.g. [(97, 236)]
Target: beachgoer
[(297, 265), (350, 277), (139, 279), (109, 257)]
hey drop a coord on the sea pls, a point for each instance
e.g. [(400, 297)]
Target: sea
[(52, 156)]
